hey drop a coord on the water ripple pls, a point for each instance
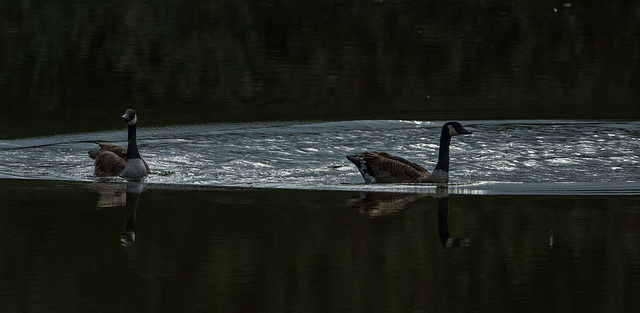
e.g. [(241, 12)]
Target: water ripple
[(312, 155)]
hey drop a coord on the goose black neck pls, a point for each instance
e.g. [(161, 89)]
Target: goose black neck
[(132, 148), (443, 156)]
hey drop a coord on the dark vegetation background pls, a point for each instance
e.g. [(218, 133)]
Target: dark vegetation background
[(73, 66)]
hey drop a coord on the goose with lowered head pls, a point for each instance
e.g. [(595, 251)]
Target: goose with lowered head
[(381, 167), (113, 160)]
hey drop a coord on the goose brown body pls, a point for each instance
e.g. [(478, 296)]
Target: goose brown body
[(387, 168), (110, 160), (114, 160), (381, 167)]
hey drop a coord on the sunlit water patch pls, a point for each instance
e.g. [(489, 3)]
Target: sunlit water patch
[(500, 157)]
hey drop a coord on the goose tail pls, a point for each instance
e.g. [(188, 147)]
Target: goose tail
[(93, 153), (355, 159), (363, 167)]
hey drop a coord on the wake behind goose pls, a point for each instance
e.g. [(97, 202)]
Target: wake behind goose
[(509, 157)]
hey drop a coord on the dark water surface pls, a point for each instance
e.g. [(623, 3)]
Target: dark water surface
[(113, 247), (271, 217), (246, 112)]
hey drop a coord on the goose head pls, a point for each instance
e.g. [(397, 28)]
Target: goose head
[(130, 117), (455, 129)]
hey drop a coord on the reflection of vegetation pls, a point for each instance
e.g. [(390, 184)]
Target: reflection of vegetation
[(313, 59)]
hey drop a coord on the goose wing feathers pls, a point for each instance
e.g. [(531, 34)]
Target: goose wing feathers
[(110, 160), (388, 168), (146, 165), (104, 146), (118, 150), (398, 159), (108, 163)]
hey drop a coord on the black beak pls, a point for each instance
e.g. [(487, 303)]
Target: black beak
[(125, 118), (464, 132)]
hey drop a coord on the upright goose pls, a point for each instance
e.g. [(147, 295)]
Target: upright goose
[(113, 160), (381, 167)]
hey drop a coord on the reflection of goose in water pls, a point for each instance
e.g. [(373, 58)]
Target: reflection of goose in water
[(111, 195), (376, 204), (133, 198), (379, 204), (443, 226), (117, 195), (381, 167)]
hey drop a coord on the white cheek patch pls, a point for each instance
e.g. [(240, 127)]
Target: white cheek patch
[(135, 120), (452, 131)]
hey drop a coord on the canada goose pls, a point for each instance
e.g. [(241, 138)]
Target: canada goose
[(381, 167), (113, 160)]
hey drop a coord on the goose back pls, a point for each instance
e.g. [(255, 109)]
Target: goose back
[(105, 146), (111, 160), (381, 167), (108, 163)]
